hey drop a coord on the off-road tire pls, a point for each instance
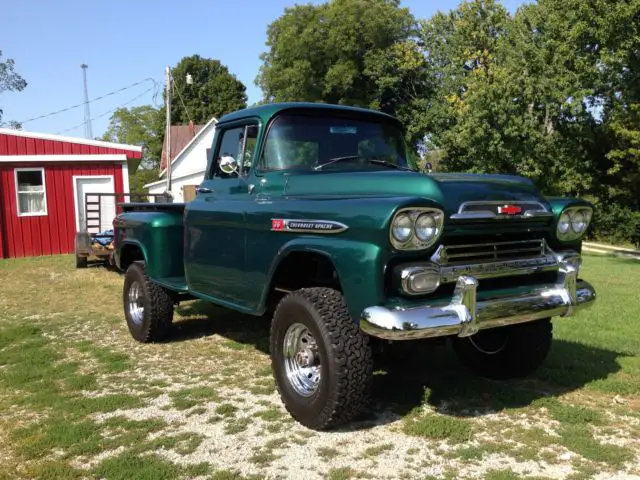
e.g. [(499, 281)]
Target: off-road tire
[(81, 261), (158, 306), (344, 352), (525, 347)]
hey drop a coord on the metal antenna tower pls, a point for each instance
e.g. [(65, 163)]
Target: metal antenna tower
[(88, 132)]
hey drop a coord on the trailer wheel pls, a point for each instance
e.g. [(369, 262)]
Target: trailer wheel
[(321, 360), (148, 308), (81, 261)]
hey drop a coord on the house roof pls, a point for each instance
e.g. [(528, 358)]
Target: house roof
[(175, 154), (181, 136), (18, 142)]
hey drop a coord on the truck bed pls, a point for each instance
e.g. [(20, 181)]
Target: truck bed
[(151, 207)]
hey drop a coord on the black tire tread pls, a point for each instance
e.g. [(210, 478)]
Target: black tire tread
[(349, 348), (527, 347), (159, 308)]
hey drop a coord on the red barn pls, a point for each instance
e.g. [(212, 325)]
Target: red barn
[(43, 181)]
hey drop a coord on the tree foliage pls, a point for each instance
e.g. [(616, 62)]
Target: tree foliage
[(141, 126), (551, 92), (10, 81), (214, 91), (350, 52)]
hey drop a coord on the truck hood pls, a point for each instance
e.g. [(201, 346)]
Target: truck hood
[(448, 190)]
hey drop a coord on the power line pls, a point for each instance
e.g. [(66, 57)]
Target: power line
[(175, 89), (104, 114), (95, 99)]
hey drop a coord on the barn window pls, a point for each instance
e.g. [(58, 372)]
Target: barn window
[(31, 191)]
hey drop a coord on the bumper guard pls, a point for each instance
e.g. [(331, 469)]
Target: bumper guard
[(464, 315)]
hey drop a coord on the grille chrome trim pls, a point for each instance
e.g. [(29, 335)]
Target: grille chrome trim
[(488, 252), (487, 210)]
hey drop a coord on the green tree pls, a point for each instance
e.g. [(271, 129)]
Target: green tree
[(141, 126), (214, 91), (351, 52), (513, 96), (10, 81)]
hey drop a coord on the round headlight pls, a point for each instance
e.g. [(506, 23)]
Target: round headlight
[(426, 227), (578, 222), (402, 227), (564, 223)]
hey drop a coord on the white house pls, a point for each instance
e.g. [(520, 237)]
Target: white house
[(190, 152)]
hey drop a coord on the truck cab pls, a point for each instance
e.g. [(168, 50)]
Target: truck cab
[(317, 216)]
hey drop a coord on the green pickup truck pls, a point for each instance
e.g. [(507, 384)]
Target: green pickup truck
[(316, 216)]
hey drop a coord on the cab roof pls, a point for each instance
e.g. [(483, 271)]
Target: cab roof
[(267, 111)]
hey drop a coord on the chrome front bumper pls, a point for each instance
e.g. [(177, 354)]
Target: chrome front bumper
[(464, 315)]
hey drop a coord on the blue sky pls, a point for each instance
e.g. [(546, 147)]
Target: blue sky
[(126, 41)]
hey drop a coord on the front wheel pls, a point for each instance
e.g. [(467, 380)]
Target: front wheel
[(321, 361), (506, 352), (148, 308)]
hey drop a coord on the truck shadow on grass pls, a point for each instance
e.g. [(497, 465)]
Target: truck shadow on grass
[(408, 376), (435, 377)]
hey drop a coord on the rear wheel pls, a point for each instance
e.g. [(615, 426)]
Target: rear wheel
[(148, 308), (506, 352), (81, 261), (321, 360)]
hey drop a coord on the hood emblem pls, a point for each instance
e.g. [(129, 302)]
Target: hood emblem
[(489, 209), (509, 209), (306, 226)]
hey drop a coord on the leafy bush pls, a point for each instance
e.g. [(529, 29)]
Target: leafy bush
[(615, 224)]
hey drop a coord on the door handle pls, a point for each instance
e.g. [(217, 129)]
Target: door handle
[(203, 190)]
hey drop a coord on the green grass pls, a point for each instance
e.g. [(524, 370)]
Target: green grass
[(344, 473), (109, 361), (66, 364), (327, 453), (135, 467), (269, 415), (438, 427), (226, 410), (190, 397), (377, 450), (580, 440)]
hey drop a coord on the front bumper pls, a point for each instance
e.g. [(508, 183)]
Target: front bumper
[(464, 315)]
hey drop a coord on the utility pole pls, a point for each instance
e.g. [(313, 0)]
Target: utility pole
[(168, 132), (88, 132)]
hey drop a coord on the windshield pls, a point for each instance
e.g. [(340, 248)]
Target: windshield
[(297, 141)]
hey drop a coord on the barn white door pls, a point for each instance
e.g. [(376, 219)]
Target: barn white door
[(100, 217)]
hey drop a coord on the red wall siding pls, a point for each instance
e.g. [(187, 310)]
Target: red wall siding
[(52, 233), (19, 145)]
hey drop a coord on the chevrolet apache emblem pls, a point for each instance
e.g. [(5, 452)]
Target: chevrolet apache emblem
[(310, 226)]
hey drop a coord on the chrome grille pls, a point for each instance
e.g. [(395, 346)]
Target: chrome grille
[(487, 252)]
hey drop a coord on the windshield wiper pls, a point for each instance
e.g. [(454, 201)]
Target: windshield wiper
[(355, 157), (335, 160), (388, 164)]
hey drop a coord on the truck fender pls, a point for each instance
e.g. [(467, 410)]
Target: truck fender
[(358, 264), (125, 244)]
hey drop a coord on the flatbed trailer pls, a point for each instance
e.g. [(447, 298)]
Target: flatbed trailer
[(92, 242)]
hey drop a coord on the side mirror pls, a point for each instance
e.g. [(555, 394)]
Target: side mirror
[(228, 164)]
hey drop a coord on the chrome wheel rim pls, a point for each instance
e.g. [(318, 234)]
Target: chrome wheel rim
[(135, 303), (301, 360)]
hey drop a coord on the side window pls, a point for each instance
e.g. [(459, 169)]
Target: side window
[(31, 191), (239, 143), (251, 136)]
